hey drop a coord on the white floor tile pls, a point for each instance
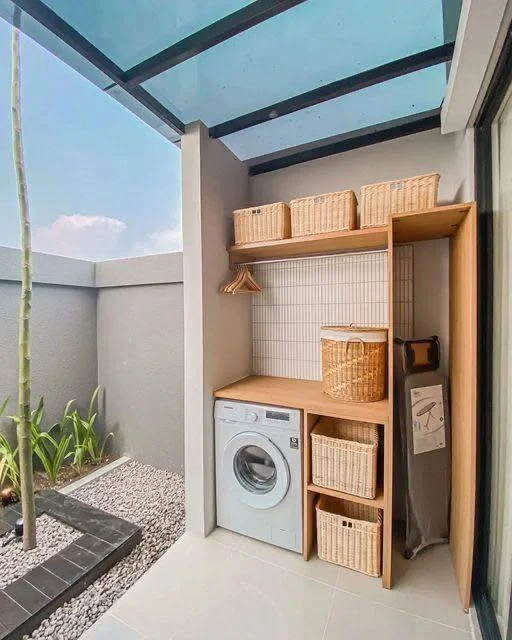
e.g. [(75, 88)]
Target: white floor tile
[(355, 618), (231, 587), (424, 586), (258, 601), (110, 628), (289, 560), (209, 590), (188, 574)]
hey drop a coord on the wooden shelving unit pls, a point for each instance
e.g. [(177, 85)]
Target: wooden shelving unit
[(459, 223)]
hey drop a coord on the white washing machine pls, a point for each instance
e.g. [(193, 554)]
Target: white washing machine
[(259, 472)]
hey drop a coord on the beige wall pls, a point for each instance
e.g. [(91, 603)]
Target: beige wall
[(449, 155), (217, 328)]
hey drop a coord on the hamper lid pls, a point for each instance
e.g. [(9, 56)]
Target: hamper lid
[(345, 334)]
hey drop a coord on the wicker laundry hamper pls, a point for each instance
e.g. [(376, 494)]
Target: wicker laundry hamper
[(381, 200), (354, 363), (349, 534), (324, 213), (257, 224), (344, 456)]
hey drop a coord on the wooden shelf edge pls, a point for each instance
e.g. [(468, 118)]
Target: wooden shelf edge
[(306, 395), (377, 502), (317, 244)]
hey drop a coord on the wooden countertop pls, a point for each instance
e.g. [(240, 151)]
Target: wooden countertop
[(303, 394)]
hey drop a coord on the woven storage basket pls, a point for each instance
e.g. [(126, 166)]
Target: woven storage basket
[(349, 534), (344, 456), (268, 222), (321, 214), (383, 199), (354, 363)]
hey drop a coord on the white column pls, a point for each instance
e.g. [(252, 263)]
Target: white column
[(217, 327)]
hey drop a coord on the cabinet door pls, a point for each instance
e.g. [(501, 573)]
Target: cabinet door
[(463, 381)]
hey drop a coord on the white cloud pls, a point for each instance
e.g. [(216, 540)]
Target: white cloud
[(80, 236), (163, 241)]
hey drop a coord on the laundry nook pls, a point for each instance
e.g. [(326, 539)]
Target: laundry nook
[(326, 359)]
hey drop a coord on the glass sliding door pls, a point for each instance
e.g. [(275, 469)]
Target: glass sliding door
[(492, 577), (499, 564)]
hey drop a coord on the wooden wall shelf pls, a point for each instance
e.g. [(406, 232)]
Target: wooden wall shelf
[(319, 244), (303, 394)]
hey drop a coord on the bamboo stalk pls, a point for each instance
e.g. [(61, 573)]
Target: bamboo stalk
[(24, 382)]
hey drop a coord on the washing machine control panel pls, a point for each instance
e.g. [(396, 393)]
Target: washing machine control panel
[(265, 416)]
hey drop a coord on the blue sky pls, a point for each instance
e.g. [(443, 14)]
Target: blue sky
[(102, 184)]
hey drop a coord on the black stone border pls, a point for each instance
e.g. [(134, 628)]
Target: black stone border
[(26, 602)]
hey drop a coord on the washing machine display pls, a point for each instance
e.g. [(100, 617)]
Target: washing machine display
[(258, 469)]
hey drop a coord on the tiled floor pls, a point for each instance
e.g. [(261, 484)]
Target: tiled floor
[(233, 588)]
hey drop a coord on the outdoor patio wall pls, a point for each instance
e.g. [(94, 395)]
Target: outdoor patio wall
[(64, 354), (140, 356), (450, 155), (217, 327)]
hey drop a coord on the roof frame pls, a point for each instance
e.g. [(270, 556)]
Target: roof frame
[(390, 130), (382, 73), (211, 35), (60, 28)]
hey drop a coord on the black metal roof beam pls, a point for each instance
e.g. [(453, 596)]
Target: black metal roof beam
[(213, 34), (346, 142), (362, 80), (60, 28)]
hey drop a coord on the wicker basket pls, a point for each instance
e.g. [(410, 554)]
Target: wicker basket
[(354, 363), (268, 222), (349, 534), (325, 213), (381, 200), (344, 456)]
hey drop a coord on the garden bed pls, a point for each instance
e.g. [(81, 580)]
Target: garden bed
[(69, 474)]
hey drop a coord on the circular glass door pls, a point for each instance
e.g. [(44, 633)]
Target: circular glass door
[(255, 470)]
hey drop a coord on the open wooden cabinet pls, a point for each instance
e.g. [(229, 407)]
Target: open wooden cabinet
[(459, 223)]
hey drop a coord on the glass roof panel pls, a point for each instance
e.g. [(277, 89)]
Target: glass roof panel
[(316, 42), (397, 98), (129, 31)]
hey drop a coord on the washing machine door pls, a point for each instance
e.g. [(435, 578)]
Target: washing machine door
[(255, 470)]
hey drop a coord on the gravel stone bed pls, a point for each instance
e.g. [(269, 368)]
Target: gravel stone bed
[(153, 499), (52, 537)]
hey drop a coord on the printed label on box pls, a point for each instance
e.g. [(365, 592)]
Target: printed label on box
[(428, 424)]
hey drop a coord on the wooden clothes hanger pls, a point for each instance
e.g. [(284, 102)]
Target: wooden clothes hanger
[(243, 282)]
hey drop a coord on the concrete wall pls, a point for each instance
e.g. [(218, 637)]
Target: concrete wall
[(140, 356), (64, 353), (217, 327), (117, 323)]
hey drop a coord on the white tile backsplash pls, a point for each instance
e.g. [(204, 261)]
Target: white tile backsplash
[(299, 296)]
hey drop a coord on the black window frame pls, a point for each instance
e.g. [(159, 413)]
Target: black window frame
[(495, 95)]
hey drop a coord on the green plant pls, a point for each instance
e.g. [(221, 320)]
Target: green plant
[(9, 468), (86, 443), (51, 447)]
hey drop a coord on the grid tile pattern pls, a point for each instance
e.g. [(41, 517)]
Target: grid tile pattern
[(299, 296)]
